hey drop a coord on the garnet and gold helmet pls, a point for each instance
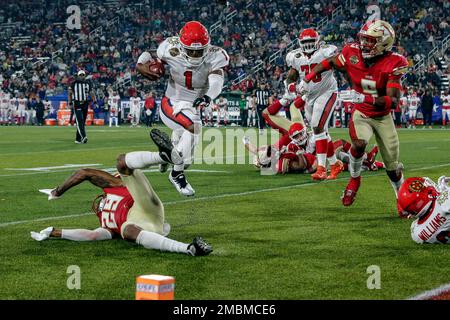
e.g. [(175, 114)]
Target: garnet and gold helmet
[(375, 38)]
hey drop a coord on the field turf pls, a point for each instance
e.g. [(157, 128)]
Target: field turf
[(274, 237)]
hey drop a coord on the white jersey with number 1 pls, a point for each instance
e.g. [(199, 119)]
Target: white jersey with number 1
[(187, 82)]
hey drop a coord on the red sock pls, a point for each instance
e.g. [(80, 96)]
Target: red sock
[(330, 149), (321, 151)]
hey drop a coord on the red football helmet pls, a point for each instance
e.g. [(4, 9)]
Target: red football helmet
[(309, 41), (297, 133), (415, 196), (194, 39)]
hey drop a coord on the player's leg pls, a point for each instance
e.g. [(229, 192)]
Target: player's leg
[(295, 109), (361, 131), (271, 117), (154, 241), (147, 210), (388, 143), (322, 110), (188, 127)]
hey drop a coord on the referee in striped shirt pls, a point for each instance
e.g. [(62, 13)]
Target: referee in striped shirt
[(79, 93), (262, 101)]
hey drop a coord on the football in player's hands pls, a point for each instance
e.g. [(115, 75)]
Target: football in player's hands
[(155, 69)]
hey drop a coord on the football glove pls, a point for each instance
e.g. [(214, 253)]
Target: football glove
[(202, 102), (351, 96), (42, 235)]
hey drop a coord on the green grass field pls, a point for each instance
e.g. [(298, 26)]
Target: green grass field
[(274, 237)]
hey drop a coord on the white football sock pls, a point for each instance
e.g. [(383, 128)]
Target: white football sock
[(355, 166), (142, 159), (86, 235), (185, 147), (152, 240)]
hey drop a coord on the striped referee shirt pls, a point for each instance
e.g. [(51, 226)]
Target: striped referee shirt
[(262, 97), (80, 90)]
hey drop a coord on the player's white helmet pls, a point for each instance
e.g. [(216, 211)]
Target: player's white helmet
[(309, 41)]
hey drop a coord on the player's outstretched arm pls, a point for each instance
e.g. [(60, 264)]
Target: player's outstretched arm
[(325, 65), (98, 178), (72, 234)]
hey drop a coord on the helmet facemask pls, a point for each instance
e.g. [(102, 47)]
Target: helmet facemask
[(368, 46), (299, 137), (195, 54), (309, 46)]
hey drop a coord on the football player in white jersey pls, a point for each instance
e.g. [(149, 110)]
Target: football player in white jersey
[(403, 108), (429, 203), (113, 103), (21, 109), (196, 78), (445, 98), (13, 109), (320, 100), (4, 107), (135, 110), (413, 105), (251, 110), (222, 111)]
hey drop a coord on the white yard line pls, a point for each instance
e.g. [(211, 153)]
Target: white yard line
[(431, 293), (219, 196)]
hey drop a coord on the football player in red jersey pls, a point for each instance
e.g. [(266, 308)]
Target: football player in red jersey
[(128, 208), (375, 73)]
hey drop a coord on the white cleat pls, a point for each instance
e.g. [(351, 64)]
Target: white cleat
[(50, 194), (180, 183), (42, 235)]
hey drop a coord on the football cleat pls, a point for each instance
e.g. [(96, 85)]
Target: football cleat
[(181, 184), (336, 169), (350, 191), (50, 193), (320, 174), (199, 247), (166, 150)]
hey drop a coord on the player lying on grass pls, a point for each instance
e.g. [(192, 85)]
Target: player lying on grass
[(128, 208), (304, 143), (429, 203), (295, 153)]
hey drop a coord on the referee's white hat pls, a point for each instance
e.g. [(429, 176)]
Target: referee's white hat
[(81, 73)]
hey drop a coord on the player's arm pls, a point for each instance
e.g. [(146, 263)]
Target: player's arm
[(98, 178), (392, 97), (292, 76), (335, 62), (216, 80), (73, 234)]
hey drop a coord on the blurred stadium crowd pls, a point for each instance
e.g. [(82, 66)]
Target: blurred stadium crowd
[(40, 56)]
